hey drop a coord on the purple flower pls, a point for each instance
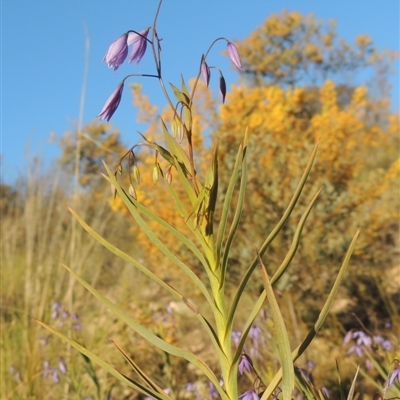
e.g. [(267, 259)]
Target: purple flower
[(139, 42), (356, 348), (205, 72), (394, 375), (55, 308), (250, 395), (55, 376), (213, 392), (234, 55), (347, 338), (387, 345), (236, 335), (222, 88), (117, 52), (112, 103), (254, 332), (325, 392), (245, 363), (362, 338), (61, 366), (75, 317), (47, 369)]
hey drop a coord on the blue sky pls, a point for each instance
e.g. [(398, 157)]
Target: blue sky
[(43, 52)]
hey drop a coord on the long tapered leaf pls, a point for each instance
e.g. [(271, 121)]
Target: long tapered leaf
[(295, 242), (281, 336), (131, 383), (238, 213), (353, 385), (126, 257), (177, 151), (146, 379), (150, 336), (154, 238), (281, 269), (339, 381), (269, 239), (209, 329), (227, 201), (321, 318)]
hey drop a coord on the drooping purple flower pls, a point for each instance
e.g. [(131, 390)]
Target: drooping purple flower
[(222, 88), (139, 42), (112, 103), (250, 395), (234, 55), (117, 52), (245, 363), (205, 72), (394, 375)]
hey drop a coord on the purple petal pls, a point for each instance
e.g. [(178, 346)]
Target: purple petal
[(234, 55), (139, 46), (112, 103), (117, 52), (205, 72)]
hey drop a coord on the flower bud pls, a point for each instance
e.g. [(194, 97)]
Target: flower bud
[(222, 88), (156, 173), (136, 174), (132, 192), (234, 55), (205, 72), (112, 103), (168, 176)]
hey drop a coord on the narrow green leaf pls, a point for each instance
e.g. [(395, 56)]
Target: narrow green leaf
[(339, 381), (163, 152), (184, 88), (269, 239), (154, 238), (187, 118), (296, 240), (281, 336), (321, 318), (353, 385), (126, 257), (150, 336), (287, 260), (131, 383), (146, 379), (228, 200), (181, 97), (237, 215), (212, 185)]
